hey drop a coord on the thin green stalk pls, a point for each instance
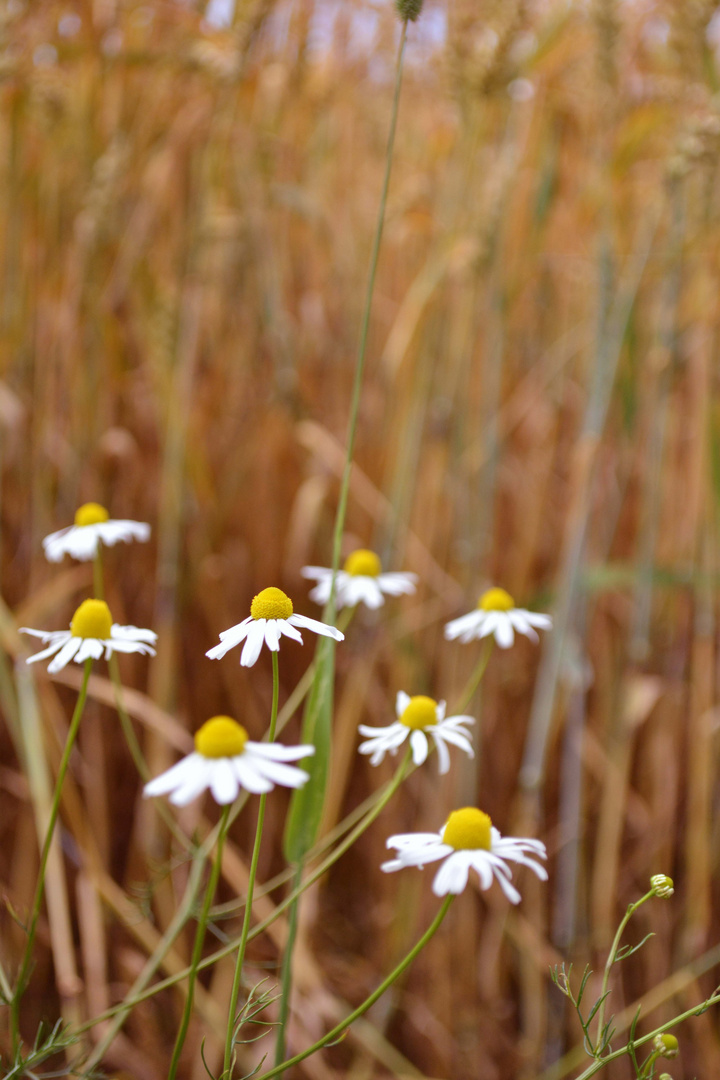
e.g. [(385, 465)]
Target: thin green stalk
[(362, 347), (230, 1033), (197, 947), (474, 680), (24, 972), (369, 1001), (611, 960), (600, 1064), (286, 977), (119, 1013), (130, 1002), (330, 611)]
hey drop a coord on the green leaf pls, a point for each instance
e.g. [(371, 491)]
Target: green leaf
[(306, 805)]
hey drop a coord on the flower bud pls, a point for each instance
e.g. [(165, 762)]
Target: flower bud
[(662, 885), (408, 10), (666, 1045)]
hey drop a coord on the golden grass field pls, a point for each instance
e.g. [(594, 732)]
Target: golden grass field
[(186, 219)]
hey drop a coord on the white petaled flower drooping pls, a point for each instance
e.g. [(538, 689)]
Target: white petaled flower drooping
[(496, 614), (92, 527), (467, 840), (420, 718), (92, 633), (224, 761), (271, 616), (360, 581)]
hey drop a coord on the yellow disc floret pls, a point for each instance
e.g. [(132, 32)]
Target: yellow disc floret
[(362, 563), (91, 514), (420, 713), (271, 603), (468, 830), (92, 620), (496, 600), (220, 736)]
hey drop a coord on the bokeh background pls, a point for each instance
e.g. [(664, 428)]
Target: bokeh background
[(187, 204)]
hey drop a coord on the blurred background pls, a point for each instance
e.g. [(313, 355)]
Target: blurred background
[(188, 194)]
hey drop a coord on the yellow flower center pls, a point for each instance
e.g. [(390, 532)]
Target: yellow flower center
[(91, 514), (420, 713), (362, 563), (468, 830), (496, 600), (220, 736), (92, 620), (271, 604)]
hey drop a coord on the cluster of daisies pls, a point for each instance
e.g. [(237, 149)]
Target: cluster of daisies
[(226, 760)]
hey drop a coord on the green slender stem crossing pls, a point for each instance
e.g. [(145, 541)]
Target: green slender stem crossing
[(197, 947), (24, 973), (232, 1012), (369, 1001)]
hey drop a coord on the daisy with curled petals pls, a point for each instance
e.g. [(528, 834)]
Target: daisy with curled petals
[(359, 581), (91, 633), (271, 616), (496, 614), (224, 761), (421, 719), (468, 840), (92, 527)]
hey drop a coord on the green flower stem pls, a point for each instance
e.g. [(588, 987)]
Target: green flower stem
[(696, 1010), (474, 680), (24, 973), (361, 1009), (330, 609), (632, 908), (230, 1034), (197, 947), (286, 978), (227, 950), (119, 1013), (329, 612)]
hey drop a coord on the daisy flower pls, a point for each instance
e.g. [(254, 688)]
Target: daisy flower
[(496, 614), (92, 526), (421, 719), (360, 580), (91, 633), (468, 839), (225, 760), (271, 616)]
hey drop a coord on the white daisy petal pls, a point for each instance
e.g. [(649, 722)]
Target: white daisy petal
[(66, 654), (397, 584), (542, 622), (504, 634), (278, 752), (249, 776), (194, 785), (223, 782), (401, 702), (453, 874), (419, 744), (288, 630), (443, 754), (253, 643), (510, 891), (50, 651), (272, 634), (317, 627), (174, 777), (278, 773)]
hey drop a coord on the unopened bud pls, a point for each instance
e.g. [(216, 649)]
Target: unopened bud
[(666, 1045), (662, 885), (408, 10)]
